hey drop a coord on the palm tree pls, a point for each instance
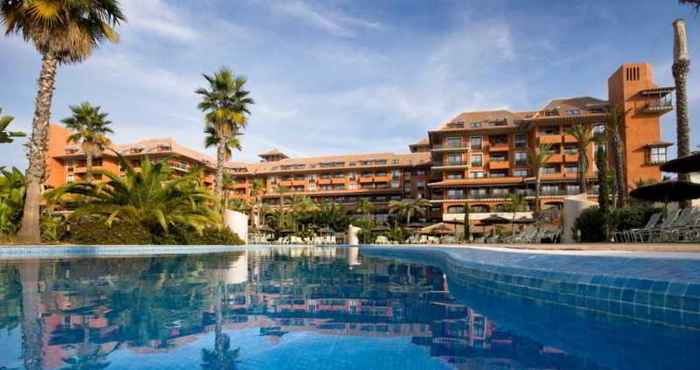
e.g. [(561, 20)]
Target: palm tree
[(408, 208), (7, 137), (583, 133), (537, 157), (364, 207), (612, 133), (257, 189), (681, 64), (225, 104), (90, 128), (212, 140), (63, 32), (694, 3), (466, 223), (150, 196), (517, 203)]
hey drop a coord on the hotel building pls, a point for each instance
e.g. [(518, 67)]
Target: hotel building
[(475, 159)]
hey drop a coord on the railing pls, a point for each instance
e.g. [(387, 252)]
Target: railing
[(450, 163), (451, 146), (659, 105)]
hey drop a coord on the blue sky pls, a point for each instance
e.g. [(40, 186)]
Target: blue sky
[(340, 76)]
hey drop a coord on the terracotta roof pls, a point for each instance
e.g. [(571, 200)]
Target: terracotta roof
[(572, 106), (163, 146), (421, 142), (273, 152), (482, 117), (341, 161)]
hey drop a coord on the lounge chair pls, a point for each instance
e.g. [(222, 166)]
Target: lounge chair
[(649, 235), (630, 235)]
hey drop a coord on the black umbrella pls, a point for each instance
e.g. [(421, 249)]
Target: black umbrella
[(687, 164), (524, 220), (495, 220), (667, 191)]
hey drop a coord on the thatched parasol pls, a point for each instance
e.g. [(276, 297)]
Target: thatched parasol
[(494, 220), (687, 164), (437, 229), (524, 220)]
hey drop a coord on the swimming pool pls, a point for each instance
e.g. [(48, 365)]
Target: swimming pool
[(320, 308)]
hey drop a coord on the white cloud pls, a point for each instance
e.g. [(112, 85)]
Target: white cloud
[(158, 17), (331, 21)]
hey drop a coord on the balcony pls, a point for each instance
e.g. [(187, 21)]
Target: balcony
[(570, 139), (450, 147), (385, 178), (499, 164), (338, 181), (549, 139), (499, 147), (658, 106), (555, 158), (571, 158), (450, 164)]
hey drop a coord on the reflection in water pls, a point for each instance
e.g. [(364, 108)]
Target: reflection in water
[(307, 308)]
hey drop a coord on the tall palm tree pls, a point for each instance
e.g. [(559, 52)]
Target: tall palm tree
[(150, 196), (694, 3), (225, 103), (212, 140), (537, 157), (257, 189), (12, 190), (63, 32), (408, 208), (681, 66), (583, 133), (613, 126), (365, 207), (90, 129), (7, 137), (517, 203)]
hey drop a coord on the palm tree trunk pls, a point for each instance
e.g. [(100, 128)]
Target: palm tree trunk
[(538, 185), (220, 158), (618, 158), (32, 341), (88, 173), (681, 66), (582, 168), (30, 231)]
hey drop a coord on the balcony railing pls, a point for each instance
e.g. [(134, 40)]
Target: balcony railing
[(451, 146), (450, 163), (659, 105)]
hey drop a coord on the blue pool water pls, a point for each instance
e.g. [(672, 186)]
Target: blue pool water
[(312, 309)]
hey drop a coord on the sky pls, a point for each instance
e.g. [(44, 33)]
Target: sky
[(350, 76)]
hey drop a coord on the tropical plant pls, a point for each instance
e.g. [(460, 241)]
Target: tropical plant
[(257, 189), (583, 133), (537, 157), (694, 3), (603, 179), (516, 203), (364, 207), (222, 357), (225, 103), (466, 223), (7, 137), (212, 140), (333, 216), (12, 192), (90, 129), (408, 208), (681, 66), (613, 126), (150, 196), (63, 32)]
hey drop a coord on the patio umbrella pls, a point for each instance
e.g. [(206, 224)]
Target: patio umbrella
[(687, 164), (494, 220), (524, 220), (437, 229), (667, 191)]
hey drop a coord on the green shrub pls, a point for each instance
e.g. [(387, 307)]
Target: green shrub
[(185, 235), (94, 230), (631, 217), (590, 225)]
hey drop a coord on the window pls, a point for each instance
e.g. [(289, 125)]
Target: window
[(657, 155), (551, 130), (475, 124), (499, 157), (479, 193), (453, 142), (312, 187), (455, 209), (500, 191), (455, 194), (520, 172), (420, 172), (455, 175), (570, 149), (499, 139), (454, 159), (550, 189), (395, 173), (520, 158), (420, 184), (476, 160), (477, 174), (520, 140), (572, 189), (475, 142), (499, 173), (395, 184), (551, 169), (574, 112), (571, 168)]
